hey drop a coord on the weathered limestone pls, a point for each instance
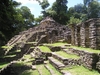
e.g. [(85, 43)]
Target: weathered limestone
[(86, 34)]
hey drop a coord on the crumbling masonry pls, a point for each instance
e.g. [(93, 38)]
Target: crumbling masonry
[(86, 34)]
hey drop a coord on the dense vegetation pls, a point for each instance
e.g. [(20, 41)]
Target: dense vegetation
[(14, 19)]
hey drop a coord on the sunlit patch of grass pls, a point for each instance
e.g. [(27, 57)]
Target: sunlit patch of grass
[(27, 59), (23, 63), (18, 50), (65, 55), (7, 47), (55, 71), (32, 47), (86, 49), (30, 72), (57, 44), (28, 56), (44, 49), (43, 70), (4, 64), (80, 70), (9, 56), (20, 63), (15, 51)]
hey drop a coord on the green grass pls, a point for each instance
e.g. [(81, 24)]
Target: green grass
[(57, 44), (11, 56), (44, 49), (18, 50), (43, 70), (86, 49), (7, 47), (32, 47), (23, 63), (65, 55), (20, 63), (30, 72), (28, 58), (4, 64), (55, 71), (80, 70)]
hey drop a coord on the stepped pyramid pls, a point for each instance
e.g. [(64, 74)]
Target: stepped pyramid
[(48, 31)]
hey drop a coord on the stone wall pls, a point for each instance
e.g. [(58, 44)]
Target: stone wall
[(86, 34), (88, 59)]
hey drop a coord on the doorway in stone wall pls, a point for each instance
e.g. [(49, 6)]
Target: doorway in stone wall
[(87, 40)]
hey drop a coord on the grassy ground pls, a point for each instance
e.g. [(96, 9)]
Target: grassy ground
[(43, 70), (65, 55), (57, 44), (86, 49), (80, 70), (30, 72), (44, 49), (7, 47), (11, 56), (3, 64), (55, 71), (27, 59)]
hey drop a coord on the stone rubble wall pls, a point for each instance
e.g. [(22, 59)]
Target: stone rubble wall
[(86, 34), (88, 59)]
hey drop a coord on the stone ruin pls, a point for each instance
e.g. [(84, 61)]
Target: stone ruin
[(48, 31), (86, 34)]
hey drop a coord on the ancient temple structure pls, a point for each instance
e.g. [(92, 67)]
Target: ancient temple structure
[(48, 31), (87, 34)]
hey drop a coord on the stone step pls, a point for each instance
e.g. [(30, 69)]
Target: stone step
[(58, 57), (52, 70), (67, 59), (56, 63)]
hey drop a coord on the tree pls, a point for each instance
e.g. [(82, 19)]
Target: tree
[(93, 9), (74, 20), (13, 20), (59, 11), (24, 19), (78, 12), (7, 12), (44, 4), (38, 20)]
